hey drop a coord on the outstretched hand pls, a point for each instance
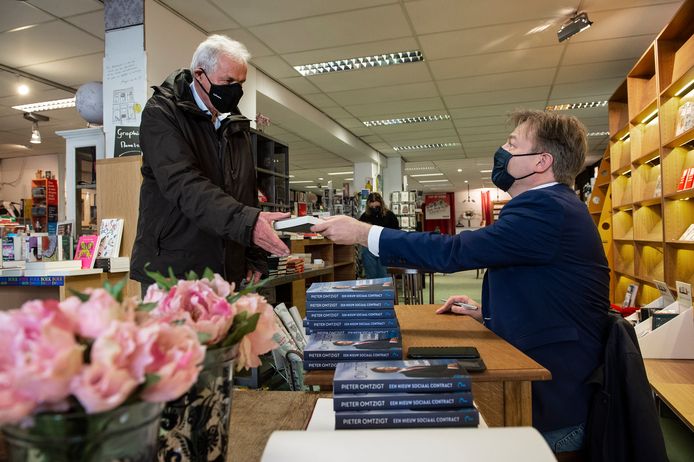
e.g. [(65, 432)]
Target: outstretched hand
[(342, 229), (264, 235), (450, 306)]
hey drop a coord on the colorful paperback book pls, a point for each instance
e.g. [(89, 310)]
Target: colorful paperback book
[(49, 248), (111, 233), (406, 418), (336, 345), (689, 184), (313, 315), (410, 376), (32, 281), (87, 246), (361, 289), (350, 305), (683, 180), (348, 324), (375, 401)]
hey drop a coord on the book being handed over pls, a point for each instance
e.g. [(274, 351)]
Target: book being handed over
[(297, 224)]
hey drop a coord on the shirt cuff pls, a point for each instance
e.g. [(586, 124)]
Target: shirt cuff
[(374, 237)]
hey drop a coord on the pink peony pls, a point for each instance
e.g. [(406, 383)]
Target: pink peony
[(49, 310), (260, 340), (174, 355), (14, 405), (37, 356), (117, 347), (101, 388), (198, 305), (95, 315)]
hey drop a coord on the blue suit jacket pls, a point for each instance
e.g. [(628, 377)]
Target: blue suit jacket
[(545, 291)]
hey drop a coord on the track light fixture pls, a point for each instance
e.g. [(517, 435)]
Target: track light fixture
[(575, 25), (34, 119)]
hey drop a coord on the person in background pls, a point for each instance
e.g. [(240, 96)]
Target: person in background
[(198, 198), (376, 214), (546, 290)]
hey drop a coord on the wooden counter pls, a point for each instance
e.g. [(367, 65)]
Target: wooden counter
[(502, 392), (673, 381)]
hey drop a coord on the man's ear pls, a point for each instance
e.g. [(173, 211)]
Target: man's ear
[(545, 163)]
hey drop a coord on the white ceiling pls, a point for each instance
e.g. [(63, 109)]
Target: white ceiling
[(480, 63)]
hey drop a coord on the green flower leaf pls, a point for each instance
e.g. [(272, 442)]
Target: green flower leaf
[(204, 337), (146, 307), (151, 379), (192, 276), (117, 290), (83, 297), (208, 274), (247, 290), (163, 282), (243, 324)]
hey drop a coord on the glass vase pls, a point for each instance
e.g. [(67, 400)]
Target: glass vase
[(195, 427), (127, 433)]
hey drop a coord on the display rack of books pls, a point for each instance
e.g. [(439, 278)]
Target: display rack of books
[(272, 170), (651, 120), (44, 205), (403, 205)]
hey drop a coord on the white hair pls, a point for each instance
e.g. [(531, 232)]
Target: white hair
[(207, 54)]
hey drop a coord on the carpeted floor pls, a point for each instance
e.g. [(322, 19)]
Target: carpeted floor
[(463, 283)]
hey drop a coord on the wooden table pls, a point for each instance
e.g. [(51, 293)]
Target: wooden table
[(256, 414), (502, 392), (673, 381)]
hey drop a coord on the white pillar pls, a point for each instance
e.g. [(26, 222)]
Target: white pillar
[(365, 172), (392, 177)]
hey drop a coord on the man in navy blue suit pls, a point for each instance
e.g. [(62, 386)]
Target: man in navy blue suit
[(547, 285)]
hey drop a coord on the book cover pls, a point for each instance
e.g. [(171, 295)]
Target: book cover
[(687, 235), (690, 178), (361, 289), (87, 247), (412, 376), (406, 418), (348, 324), (319, 365), (31, 248), (375, 401), (683, 180), (65, 247), (297, 225), (349, 304), (364, 345), (32, 281), (49, 248), (314, 315), (64, 228), (111, 233), (630, 296)]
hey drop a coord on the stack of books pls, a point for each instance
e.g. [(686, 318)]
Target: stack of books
[(403, 394), (350, 320), (295, 265), (113, 264), (277, 265)]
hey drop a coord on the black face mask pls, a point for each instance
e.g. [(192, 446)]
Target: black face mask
[(376, 210), (224, 98), (500, 176)]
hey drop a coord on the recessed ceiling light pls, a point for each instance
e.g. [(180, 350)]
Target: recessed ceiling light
[(300, 181), (426, 174), (348, 64), (23, 89), (460, 170), (486, 171), (341, 173), (46, 105), (406, 120), (466, 181), (320, 179), (584, 105), (291, 176), (433, 181), (421, 147)]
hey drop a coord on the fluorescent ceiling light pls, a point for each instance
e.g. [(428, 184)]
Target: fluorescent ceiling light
[(650, 117), (625, 137), (411, 169), (300, 181), (686, 88), (433, 181), (584, 105), (426, 174), (20, 28), (486, 171), (460, 170), (311, 186), (349, 179), (46, 105), (341, 173), (597, 134), (421, 147), (291, 176), (348, 64), (406, 120), (485, 178)]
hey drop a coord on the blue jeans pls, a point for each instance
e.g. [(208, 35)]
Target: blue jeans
[(567, 439), (372, 265)]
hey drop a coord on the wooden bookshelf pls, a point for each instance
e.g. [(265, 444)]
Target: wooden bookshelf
[(649, 213)]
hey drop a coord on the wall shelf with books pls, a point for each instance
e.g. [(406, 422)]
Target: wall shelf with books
[(657, 182), (620, 287), (272, 170), (620, 153)]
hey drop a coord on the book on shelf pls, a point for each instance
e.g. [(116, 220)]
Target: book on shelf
[(113, 264), (689, 182), (355, 346), (353, 305), (685, 118), (64, 227), (658, 190), (87, 246), (688, 234), (349, 324), (53, 265), (49, 248), (315, 315), (375, 401), (406, 418), (32, 281), (683, 180), (427, 375), (110, 234), (630, 295), (361, 289)]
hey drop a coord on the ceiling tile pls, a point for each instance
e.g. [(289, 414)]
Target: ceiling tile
[(268, 11), (396, 138), (492, 63), (352, 51), (493, 109), (373, 77), (499, 96), (412, 127), (274, 66), (429, 16), (90, 22), (300, 85), (585, 89), (606, 50), (508, 80), (205, 14), (335, 29), (68, 7), (18, 14), (387, 93), (594, 71), (395, 108), (320, 100), (253, 44), (350, 123), (72, 71), (336, 112)]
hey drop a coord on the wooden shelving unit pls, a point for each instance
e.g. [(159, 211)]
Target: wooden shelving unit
[(648, 157), (44, 205), (272, 170)]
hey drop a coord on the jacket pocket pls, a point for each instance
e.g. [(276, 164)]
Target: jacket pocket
[(546, 337), (166, 225)]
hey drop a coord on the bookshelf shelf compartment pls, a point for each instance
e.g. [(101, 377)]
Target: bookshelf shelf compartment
[(623, 226), (621, 191), (648, 223), (624, 258), (620, 155), (680, 265), (674, 164), (621, 285), (650, 262), (645, 182), (645, 140), (679, 215)]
